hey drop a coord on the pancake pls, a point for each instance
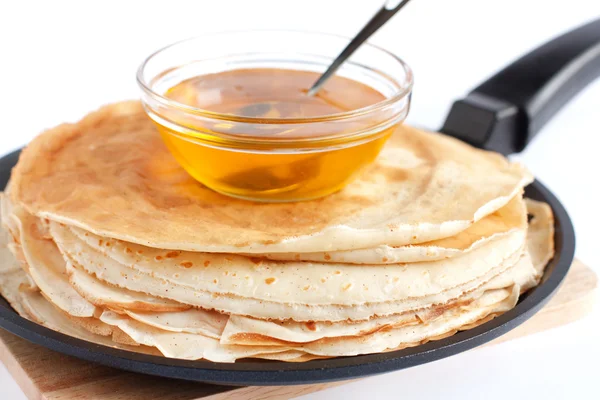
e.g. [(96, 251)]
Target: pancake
[(199, 321), (197, 333), (246, 330), (413, 284), (185, 346), (182, 287), (110, 174), (12, 276), (190, 346), (309, 283), (540, 239), (23, 296), (145, 283), (104, 295), (46, 266), (500, 223)]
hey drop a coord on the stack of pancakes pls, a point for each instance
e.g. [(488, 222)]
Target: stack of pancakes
[(109, 240)]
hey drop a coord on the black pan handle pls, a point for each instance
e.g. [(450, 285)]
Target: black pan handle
[(505, 112)]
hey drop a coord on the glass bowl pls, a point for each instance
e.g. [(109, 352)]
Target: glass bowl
[(273, 159)]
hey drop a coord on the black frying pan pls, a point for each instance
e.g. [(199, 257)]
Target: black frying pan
[(502, 114)]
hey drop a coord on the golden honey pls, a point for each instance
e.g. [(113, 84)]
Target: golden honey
[(271, 94), (234, 111)]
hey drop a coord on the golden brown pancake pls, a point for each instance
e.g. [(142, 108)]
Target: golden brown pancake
[(111, 174)]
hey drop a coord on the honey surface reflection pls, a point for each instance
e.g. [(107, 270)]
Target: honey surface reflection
[(272, 168)]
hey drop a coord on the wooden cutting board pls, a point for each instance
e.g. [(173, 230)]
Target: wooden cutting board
[(44, 374)]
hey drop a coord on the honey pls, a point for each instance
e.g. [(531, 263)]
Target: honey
[(274, 96), (272, 93), (234, 111)]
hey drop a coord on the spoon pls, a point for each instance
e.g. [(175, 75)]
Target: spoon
[(386, 12)]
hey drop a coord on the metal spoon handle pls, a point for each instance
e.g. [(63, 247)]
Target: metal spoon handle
[(386, 12)]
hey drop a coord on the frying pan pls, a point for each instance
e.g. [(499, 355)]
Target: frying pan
[(502, 114)]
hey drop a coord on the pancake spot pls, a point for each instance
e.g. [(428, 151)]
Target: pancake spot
[(186, 264), (38, 232), (206, 263), (311, 325), (128, 250), (338, 272), (173, 254), (327, 257), (305, 288), (269, 281), (158, 258), (384, 259), (100, 242), (215, 281), (256, 260), (347, 287)]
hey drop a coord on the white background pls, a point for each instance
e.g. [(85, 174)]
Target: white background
[(59, 60)]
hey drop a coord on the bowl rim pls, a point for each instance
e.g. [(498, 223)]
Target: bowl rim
[(405, 87)]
